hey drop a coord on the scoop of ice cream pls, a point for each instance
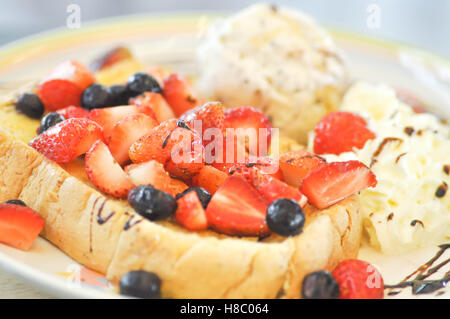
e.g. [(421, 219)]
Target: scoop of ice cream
[(276, 59), (410, 207)]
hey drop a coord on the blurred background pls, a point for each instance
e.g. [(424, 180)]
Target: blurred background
[(422, 23)]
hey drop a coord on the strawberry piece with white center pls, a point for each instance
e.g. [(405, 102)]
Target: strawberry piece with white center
[(247, 117), (333, 182), (109, 116), (157, 103), (67, 140), (238, 209), (296, 165), (180, 94), (19, 226), (190, 213), (153, 173), (210, 114), (269, 187), (126, 132), (105, 173)]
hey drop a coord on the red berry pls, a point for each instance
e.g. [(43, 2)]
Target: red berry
[(246, 117), (73, 111), (296, 165), (59, 93), (180, 95), (157, 103), (67, 140), (209, 178), (210, 114), (358, 279), (111, 57), (105, 173), (332, 182), (19, 226), (340, 132), (190, 213)]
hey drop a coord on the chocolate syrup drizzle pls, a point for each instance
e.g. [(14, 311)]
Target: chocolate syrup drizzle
[(130, 223), (100, 219), (419, 284)]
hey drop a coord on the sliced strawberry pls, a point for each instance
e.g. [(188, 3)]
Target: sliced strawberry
[(157, 103), (105, 173), (246, 117), (153, 173), (210, 115), (264, 164), (111, 57), (189, 166), (126, 132), (74, 72), (332, 182), (296, 165), (67, 140), (237, 209), (228, 154), (73, 111), (209, 178), (171, 138), (19, 226), (269, 187), (190, 213), (110, 116), (59, 93), (180, 95), (340, 132)]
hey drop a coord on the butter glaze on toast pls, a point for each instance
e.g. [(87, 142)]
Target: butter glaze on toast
[(106, 235)]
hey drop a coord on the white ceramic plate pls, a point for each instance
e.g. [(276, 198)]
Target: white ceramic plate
[(171, 40)]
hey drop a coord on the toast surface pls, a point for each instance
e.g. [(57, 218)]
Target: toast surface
[(108, 236)]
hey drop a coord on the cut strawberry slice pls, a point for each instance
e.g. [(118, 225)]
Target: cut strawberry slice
[(340, 132), (74, 72), (332, 182), (296, 165), (238, 209), (67, 140), (153, 173), (73, 112), (190, 213), (171, 138), (228, 154), (157, 103), (111, 57), (126, 132), (209, 178), (180, 95), (188, 167), (19, 226), (264, 164), (105, 173), (269, 187), (210, 114), (109, 116), (246, 117), (59, 93)]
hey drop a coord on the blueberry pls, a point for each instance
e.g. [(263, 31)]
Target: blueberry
[(203, 195), (16, 202), (141, 284), (50, 120), (30, 105), (152, 203), (118, 95), (320, 285), (285, 217), (95, 96), (141, 82)]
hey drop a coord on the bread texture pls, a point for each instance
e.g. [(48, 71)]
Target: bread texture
[(106, 235)]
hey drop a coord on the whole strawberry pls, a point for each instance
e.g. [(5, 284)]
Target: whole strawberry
[(358, 279)]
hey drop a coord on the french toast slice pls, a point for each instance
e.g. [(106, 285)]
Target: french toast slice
[(106, 235)]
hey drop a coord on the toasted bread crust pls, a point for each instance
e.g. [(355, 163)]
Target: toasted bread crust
[(108, 236)]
